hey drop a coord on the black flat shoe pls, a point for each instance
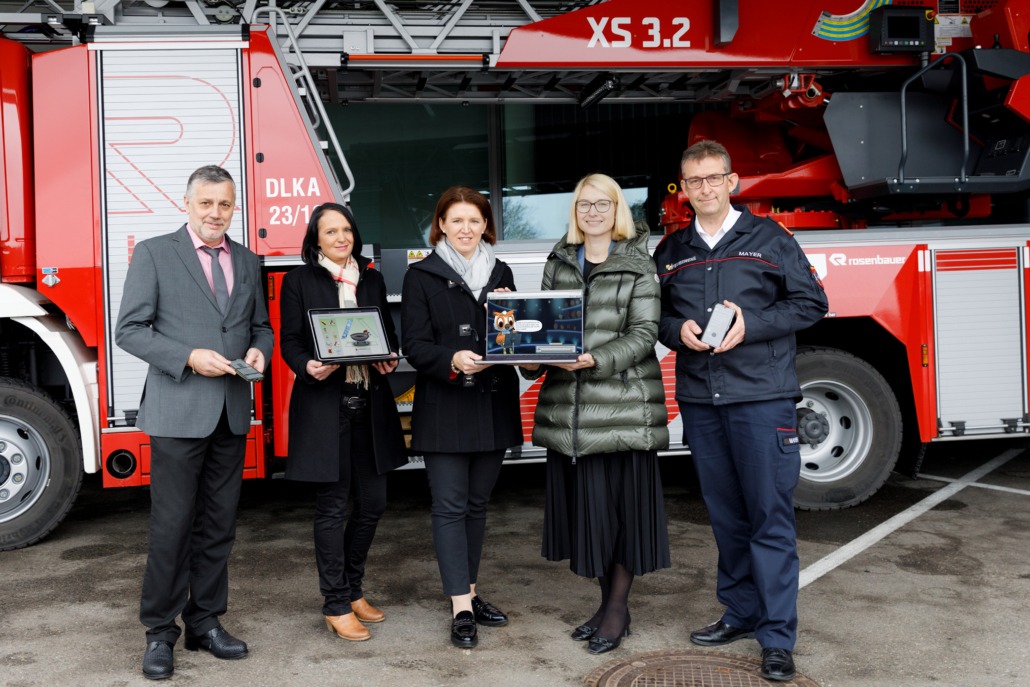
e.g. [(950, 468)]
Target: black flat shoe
[(220, 643), (158, 661), (463, 630), (777, 664), (583, 633), (719, 633), (487, 614)]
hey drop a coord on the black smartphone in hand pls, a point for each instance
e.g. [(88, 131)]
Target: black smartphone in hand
[(246, 371)]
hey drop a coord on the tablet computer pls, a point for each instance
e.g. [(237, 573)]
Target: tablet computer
[(537, 327), (349, 335)]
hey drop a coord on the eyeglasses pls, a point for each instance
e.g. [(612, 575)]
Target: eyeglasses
[(712, 179), (602, 206)]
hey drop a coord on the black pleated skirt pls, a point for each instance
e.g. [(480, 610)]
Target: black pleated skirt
[(605, 508)]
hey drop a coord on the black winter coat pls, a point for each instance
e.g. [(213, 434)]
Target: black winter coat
[(314, 422), (439, 317)]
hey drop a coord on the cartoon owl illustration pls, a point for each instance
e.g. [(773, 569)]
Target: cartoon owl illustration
[(507, 338)]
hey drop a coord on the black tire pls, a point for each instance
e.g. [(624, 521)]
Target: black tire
[(40, 464), (850, 427)]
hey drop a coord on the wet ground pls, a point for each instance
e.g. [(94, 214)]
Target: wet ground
[(928, 583)]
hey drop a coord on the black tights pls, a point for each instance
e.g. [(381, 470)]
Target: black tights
[(612, 616)]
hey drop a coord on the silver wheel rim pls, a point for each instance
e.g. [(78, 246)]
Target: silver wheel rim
[(26, 454), (850, 436)]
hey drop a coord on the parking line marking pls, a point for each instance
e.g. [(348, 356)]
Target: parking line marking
[(863, 542), (996, 487)]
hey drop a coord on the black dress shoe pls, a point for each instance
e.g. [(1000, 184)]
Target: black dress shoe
[(719, 633), (220, 643), (777, 664), (583, 633), (463, 630), (487, 614), (601, 645), (158, 662)]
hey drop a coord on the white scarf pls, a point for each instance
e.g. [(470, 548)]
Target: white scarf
[(346, 279), (475, 272)]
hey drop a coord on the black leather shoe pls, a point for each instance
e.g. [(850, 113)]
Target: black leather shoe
[(487, 614), (719, 633), (220, 643), (583, 633), (601, 645), (777, 664), (158, 661), (463, 630)]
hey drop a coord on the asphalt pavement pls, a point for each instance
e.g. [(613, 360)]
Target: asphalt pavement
[(927, 584)]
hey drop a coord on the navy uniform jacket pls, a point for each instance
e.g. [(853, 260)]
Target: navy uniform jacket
[(759, 266)]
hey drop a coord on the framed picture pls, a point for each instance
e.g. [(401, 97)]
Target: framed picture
[(349, 335)]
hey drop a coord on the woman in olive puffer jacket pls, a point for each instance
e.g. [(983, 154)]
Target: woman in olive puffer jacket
[(603, 418)]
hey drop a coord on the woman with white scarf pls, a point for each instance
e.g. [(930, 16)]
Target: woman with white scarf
[(344, 432), (465, 415)]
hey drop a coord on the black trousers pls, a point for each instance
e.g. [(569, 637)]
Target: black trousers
[(460, 484), (341, 550), (194, 494)]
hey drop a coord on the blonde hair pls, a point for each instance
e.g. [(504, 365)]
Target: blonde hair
[(624, 227)]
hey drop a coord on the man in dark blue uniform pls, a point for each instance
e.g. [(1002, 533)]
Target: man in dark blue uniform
[(737, 400)]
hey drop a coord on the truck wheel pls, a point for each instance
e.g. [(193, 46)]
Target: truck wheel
[(849, 424), (40, 464)]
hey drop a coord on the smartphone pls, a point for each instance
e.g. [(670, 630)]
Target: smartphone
[(718, 324), (246, 371)]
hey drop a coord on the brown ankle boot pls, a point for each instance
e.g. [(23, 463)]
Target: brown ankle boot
[(347, 626), (366, 612)]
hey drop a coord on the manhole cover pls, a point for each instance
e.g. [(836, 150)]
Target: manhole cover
[(686, 668)]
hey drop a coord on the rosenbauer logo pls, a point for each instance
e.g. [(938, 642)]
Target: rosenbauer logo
[(820, 260), (842, 259)]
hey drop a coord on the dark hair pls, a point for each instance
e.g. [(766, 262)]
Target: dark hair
[(309, 248), (462, 194), (209, 174)]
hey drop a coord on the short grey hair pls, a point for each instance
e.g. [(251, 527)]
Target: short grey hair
[(706, 149), (208, 174)]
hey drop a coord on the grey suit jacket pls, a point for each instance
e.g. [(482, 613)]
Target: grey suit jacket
[(167, 310)]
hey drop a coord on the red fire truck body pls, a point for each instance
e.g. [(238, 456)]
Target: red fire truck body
[(94, 163), (927, 330)]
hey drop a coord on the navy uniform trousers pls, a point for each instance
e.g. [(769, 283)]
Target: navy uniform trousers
[(748, 462)]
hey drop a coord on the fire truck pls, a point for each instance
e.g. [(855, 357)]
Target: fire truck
[(892, 137)]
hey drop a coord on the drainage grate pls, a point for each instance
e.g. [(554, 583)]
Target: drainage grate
[(686, 668)]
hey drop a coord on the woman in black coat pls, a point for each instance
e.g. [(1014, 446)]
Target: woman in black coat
[(465, 415), (344, 432)]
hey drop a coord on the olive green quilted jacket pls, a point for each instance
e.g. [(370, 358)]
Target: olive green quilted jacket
[(618, 405)]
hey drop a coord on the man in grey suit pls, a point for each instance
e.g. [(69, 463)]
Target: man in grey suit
[(193, 302)]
